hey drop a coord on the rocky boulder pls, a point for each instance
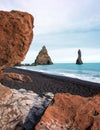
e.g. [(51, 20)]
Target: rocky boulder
[(43, 58), (79, 60), (16, 77), (21, 109), (15, 37), (71, 112)]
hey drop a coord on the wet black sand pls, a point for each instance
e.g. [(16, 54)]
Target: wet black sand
[(42, 83)]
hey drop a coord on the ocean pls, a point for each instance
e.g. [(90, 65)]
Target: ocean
[(86, 71)]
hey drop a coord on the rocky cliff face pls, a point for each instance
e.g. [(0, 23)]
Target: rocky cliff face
[(15, 37), (79, 60), (43, 58), (70, 112)]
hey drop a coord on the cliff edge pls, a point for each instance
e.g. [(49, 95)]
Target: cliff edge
[(15, 37)]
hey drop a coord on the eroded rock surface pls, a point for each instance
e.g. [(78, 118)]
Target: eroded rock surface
[(70, 112), (43, 58), (20, 108), (15, 37), (16, 77)]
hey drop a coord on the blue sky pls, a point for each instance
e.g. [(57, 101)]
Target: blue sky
[(63, 26)]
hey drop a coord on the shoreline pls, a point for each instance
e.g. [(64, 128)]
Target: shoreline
[(43, 82)]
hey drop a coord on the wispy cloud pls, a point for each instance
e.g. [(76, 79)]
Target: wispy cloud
[(62, 24), (54, 15)]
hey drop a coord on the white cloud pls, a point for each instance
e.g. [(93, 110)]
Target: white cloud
[(54, 15), (63, 16)]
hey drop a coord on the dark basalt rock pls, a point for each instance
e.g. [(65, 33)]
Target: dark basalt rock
[(79, 60)]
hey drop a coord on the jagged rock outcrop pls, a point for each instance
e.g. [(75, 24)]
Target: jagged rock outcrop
[(43, 58), (15, 37), (70, 112), (21, 108), (79, 60)]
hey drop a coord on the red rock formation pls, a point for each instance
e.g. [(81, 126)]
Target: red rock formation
[(15, 37), (16, 77), (1, 75), (71, 112)]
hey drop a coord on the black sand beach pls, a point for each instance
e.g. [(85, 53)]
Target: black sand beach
[(42, 83)]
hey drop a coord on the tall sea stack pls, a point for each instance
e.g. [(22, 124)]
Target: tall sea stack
[(79, 60), (43, 58)]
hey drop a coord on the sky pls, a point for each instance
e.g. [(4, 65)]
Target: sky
[(63, 26)]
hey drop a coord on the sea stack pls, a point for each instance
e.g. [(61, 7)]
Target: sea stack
[(43, 58), (79, 60)]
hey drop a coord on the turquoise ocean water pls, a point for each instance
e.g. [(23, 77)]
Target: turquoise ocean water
[(86, 71)]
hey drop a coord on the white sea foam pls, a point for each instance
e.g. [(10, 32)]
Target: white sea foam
[(83, 77), (88, 72)]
